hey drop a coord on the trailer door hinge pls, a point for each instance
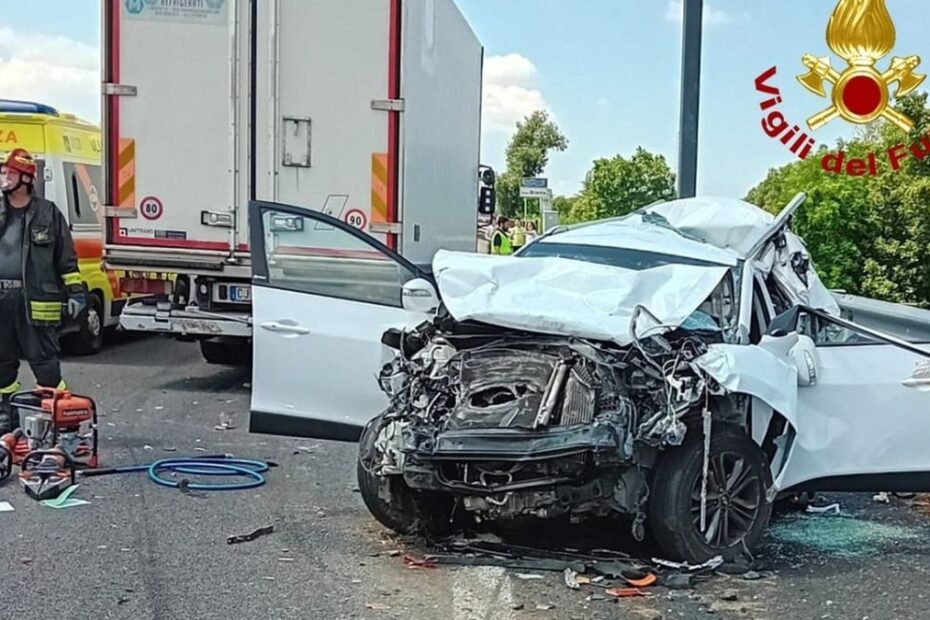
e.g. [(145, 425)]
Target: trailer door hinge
[(121, 212), (388, 105), (393, 228), (119, 90)]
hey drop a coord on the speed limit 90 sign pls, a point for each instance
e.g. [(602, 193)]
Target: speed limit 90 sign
[(356, 219)]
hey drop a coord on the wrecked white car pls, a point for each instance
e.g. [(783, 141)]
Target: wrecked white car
[(681, 366)]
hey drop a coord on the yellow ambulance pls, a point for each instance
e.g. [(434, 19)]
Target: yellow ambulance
[(68, 152)]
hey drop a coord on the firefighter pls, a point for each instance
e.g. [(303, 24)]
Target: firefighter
[(38, 272)]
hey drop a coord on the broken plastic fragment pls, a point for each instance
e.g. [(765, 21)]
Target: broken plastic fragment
[(819, 510), (571, 579), (625, 592), (645, 582)]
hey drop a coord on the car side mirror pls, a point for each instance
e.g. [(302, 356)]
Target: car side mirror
[(419, 295), (805, 358), (785, 323)]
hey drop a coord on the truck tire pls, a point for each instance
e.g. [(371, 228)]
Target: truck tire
[(391, 502), (225, 353), (737, 511), (89, 339)]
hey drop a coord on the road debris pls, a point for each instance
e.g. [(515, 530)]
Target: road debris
[(645, 582), (678, 581), (544, 607), (710, 564), (729, 595), (819, 510), (881, 497), (414, 562), (528, 576), (241, 538), (625, 592), (377, 606), (6, 507), (571, 579)]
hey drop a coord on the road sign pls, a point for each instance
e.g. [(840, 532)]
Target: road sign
[(534, 192), (534, 187)]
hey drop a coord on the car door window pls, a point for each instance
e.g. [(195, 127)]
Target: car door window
[(826, 333), (83, 182), (310, 256)]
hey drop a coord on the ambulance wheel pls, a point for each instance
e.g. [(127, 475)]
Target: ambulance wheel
[(237, 352), (89, 340)]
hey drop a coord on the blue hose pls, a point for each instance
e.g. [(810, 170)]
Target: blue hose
[(210, 466)]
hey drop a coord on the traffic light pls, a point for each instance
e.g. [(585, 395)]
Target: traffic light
[(487, 194)]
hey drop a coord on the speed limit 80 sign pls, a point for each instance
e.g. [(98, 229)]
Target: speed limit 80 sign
[(151, 208), (356, 218)]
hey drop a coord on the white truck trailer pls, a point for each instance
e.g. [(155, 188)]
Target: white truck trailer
[(367, 110)]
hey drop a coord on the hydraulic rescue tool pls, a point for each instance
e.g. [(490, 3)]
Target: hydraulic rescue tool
[(57, 434)]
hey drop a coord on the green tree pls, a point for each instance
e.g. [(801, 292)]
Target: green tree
[(617, 186), (867, 235), (527, 156)]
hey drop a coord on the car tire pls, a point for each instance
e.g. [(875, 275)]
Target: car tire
[(734, 524), (89, 339), (224, 353), (391, 502)]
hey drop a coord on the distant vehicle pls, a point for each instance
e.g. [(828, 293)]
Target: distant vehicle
[(371, 116), (601, 371), (67, 151)]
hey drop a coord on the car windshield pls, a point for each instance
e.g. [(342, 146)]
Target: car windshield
[(614, 257)]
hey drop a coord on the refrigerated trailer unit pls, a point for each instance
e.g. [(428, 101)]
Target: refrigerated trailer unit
[(367, 110)]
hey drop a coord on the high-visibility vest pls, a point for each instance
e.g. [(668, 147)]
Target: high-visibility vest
[(519, 236), (505, 247)]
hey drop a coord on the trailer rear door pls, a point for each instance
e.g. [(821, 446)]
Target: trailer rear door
[(172, 98)]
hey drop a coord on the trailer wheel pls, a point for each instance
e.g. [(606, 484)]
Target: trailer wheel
[(89, 340), (226, 352)]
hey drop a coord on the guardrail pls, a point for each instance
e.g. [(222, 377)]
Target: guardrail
[(906, 322)]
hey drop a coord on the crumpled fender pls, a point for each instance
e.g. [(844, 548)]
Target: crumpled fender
[(758, 370)]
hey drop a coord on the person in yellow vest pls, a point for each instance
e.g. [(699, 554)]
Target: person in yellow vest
[(500, 240), (518, 235)]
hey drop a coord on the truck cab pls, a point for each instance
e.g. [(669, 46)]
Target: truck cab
[(68, 152)]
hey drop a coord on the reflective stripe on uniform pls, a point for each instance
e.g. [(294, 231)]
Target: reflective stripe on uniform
[(11, 389), (71, 279), (45, 310)]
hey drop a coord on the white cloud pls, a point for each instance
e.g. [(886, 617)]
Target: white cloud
[(675, 12), (56, 71), (510, 91)]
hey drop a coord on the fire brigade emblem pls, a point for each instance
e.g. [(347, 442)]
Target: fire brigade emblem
[(862, 33)]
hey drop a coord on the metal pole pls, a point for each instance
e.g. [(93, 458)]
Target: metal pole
[(690, 97)]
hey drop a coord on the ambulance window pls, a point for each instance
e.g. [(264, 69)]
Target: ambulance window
[(83, 181)]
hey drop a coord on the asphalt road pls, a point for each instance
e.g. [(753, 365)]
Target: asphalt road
[(139, 551)]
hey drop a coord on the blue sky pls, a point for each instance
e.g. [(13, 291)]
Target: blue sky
[(607, 70)]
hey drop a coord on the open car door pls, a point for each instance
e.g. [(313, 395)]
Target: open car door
[(864, 423), (323, 295)]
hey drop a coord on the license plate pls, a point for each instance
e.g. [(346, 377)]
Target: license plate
[(240, 293)]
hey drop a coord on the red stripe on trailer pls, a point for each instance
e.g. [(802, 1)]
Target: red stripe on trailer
[(113, 32), (393, 117)]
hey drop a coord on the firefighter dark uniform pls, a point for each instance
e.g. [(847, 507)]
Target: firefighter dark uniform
[(38, 274)]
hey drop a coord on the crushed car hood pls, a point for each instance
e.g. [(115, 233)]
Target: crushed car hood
[(735, 225), (568, 297)]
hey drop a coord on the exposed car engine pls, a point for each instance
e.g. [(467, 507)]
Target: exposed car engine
[(522, 425)]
